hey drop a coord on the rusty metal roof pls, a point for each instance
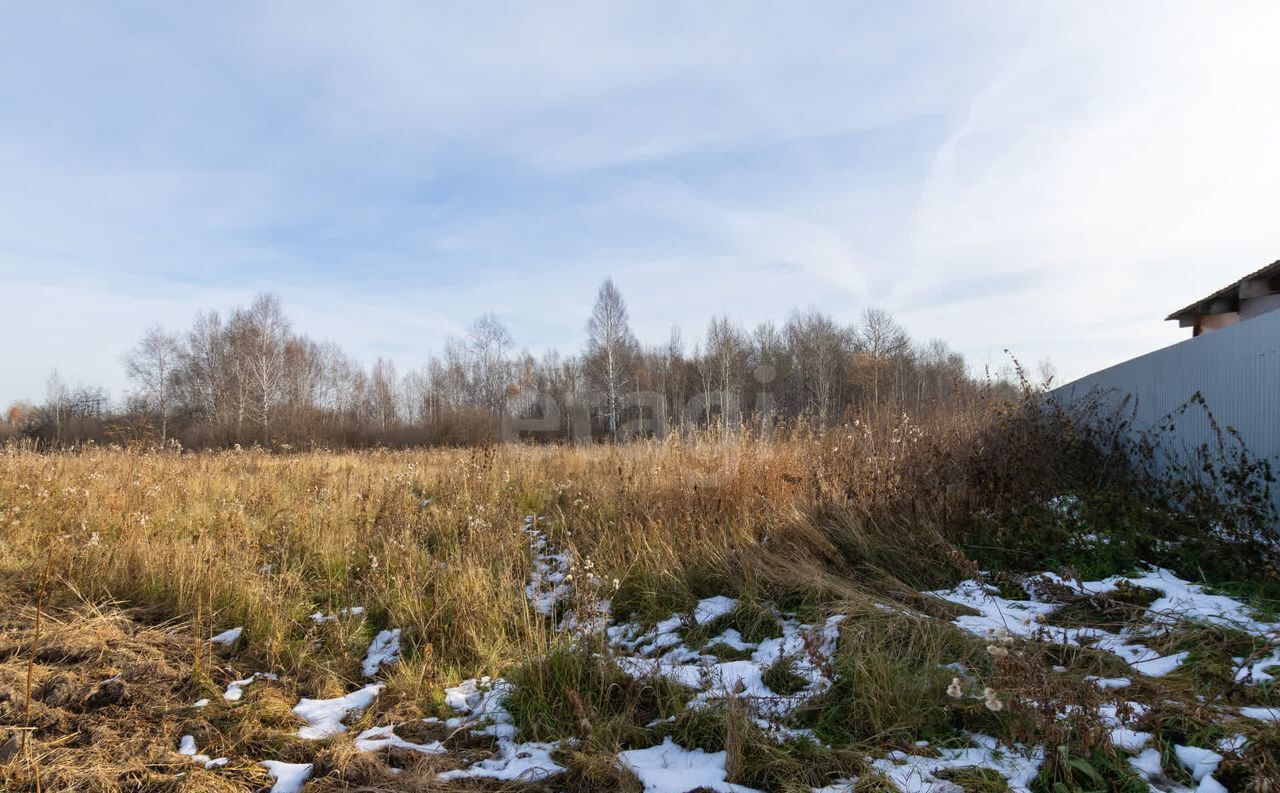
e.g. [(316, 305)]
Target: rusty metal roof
[(1230, 293)]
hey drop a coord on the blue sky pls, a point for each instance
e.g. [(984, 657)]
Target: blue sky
[(1051, 177)]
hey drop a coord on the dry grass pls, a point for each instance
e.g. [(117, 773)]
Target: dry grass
[(175, 547), (204, 542), (263, 541)]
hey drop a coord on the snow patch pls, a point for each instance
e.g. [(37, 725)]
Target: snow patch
[(376, 739), (549, 577), (713, 607), (1198, 762), (916, 774), (289, 777), (320, 616), (1179, 601), (670, 768), (228, 637), (526, 762), (384, 649), (1129, 740), (324, 716), (235, 689), (1147, 764)]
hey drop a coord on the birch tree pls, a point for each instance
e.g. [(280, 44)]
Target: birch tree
[(266, 334), (152, 365), (610, 344), (488, 344)]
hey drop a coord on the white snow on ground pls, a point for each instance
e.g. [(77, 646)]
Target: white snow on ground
[(324, 716), (1186, 601), (228, 637), (289, 776), (712, 607), (919, 774), (809, 648), (1198, 762), (1129, 740), (670, 768), (1261, 714), (731, 638), (526, 762), (375, 739), (1122, 735), (1180, 601), (1015, 617), (320, 616), (200, 703), (1142, 658), (1147, 764), (1258, 670), (661, 650), (466, 695), (1233, 745), (549, 576), (1211, 785), (187, 748), (235, 689), (384, 649), (480, 704)]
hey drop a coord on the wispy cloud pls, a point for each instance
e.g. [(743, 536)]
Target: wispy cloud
[(1051, 179)]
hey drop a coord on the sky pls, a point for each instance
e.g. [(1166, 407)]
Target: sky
[(1050, 178)]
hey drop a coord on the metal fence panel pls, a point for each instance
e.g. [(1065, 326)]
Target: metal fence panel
[(1236, 370)]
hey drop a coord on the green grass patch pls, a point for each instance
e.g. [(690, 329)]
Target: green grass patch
[(727, 653), (754, 758), (975, 780), (574, 693), (781, 677), (649, 598), (1125, 605), (1101, 770), (890, 684), (1210, 663), (753, 620)]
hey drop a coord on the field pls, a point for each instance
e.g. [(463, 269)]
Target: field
[(862, 609)]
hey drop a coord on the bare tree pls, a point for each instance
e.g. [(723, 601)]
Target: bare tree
[(265, 337), (57, 402), (488, 345), (152, 365), (724, 365), (250, 375), (880, 339), (610, 345), (817, 347), (382, 394)]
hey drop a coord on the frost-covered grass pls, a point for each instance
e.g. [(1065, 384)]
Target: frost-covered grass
[(820, 612)]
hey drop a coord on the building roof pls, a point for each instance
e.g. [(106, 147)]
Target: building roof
[(1227, 299)]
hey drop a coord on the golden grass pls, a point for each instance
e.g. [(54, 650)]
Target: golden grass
[(176, 547), (263, 541)]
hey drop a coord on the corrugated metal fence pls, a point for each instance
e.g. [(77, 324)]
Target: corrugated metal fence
[(1236, 370)]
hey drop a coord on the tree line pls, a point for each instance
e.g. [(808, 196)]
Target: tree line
[(249, 378)]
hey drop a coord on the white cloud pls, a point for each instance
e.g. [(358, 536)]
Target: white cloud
[(1052, 179)]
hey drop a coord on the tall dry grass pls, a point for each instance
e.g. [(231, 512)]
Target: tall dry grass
[(432, 542), (428, 540)]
